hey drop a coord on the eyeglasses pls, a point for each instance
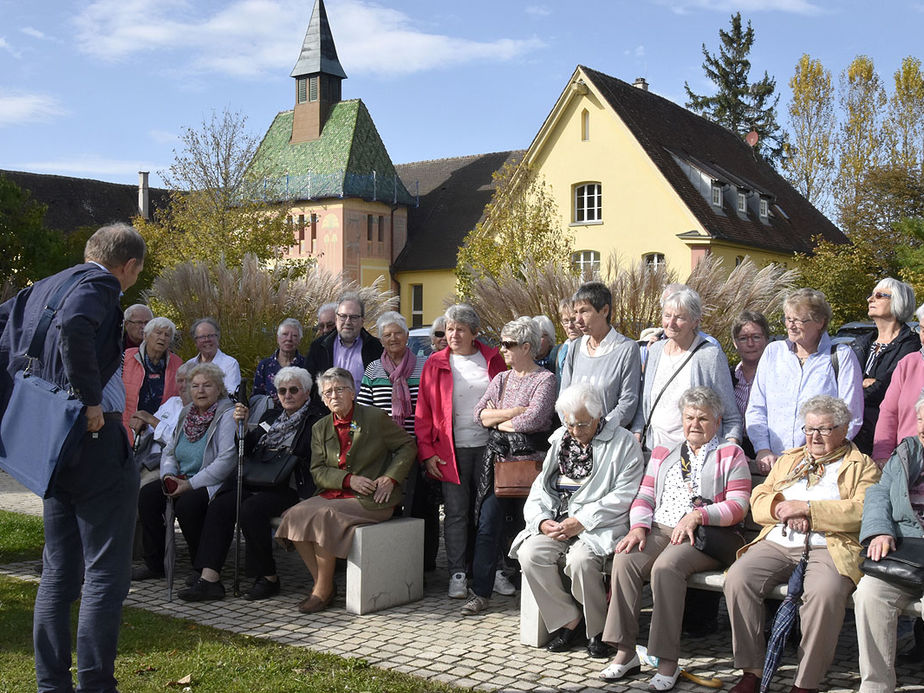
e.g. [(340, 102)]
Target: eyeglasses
[(509, 345), (825, 431), (797, 321), (137, 322), (294, 389), (203, 337), (750, 338), (349, 317), (335, 391), (579, 425), (439, 333), (878, 295)]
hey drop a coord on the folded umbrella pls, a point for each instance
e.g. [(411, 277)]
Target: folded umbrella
[(169, 547)]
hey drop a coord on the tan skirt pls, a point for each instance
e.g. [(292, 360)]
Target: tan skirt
[(329, 522)]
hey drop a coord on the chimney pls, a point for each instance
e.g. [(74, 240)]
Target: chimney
[(144, 196), (640, 83)]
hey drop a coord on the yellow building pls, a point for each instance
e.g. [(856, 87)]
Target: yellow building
[(633, 174)]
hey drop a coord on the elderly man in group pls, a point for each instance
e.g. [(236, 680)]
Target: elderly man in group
[(603, 357), (349, 347), (577, 509), (89, 514), (134, 319), (206, 333), (327, 320), (288, 337)]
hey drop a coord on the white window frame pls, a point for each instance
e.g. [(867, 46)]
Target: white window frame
[(716, 195), (588, 203), (654, 261), (742, 202), (587, 263), (764, 208)]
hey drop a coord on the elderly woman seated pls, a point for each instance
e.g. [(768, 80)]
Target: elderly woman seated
[(893, 511), (359, 458), (276, 452), (703, 481), (576, 509), (198, 458), (153, 431), (813, 497)]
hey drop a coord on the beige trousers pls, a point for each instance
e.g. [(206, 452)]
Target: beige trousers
[(877, 606), (668, 567), (540, 557), (752, 576)]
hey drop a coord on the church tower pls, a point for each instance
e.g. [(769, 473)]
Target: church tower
[(318, 75)]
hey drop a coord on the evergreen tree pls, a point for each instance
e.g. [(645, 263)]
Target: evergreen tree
[(740, 105)]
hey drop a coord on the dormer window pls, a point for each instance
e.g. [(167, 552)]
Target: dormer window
[(764, 208), (717, 194), (742, 202)]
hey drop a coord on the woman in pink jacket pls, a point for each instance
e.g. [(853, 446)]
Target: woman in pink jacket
[(450, 440)]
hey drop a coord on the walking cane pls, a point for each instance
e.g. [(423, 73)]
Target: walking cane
[(241, 428)]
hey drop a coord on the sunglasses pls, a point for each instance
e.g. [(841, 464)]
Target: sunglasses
[(293, 390), (439, 333), (509, 345), (879, 295)]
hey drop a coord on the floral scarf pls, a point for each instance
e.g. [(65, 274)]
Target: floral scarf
[(575, 462), (197, 422), (810, 468), (400, 392)]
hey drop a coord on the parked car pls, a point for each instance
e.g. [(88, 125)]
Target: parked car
[(419, 341), (850, 332)]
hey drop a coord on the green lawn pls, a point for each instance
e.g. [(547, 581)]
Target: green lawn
[(157, 652)]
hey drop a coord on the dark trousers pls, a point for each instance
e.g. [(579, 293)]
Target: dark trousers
[(258, 507), (489, 540), (422, 501), (190, 509), (89, 525)]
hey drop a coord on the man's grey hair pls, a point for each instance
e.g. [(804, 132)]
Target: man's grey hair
[(702, 398), (390, 317), (332, 306), (465, 314), (826, 405), (291, 322), (127, 315), (579, 396), (294, 374), (353, 296), (524, 330), (114, 245), (210, 321), (686, 300), (160, 323), (336, 374)]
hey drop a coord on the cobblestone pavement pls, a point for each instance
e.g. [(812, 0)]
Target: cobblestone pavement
[(430, 640)]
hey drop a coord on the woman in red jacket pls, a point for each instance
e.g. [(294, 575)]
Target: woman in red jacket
[(450, 440), (149, 371)]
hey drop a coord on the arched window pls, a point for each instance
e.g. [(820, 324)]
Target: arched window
[(588, 203), (586, 263), (585, 125)]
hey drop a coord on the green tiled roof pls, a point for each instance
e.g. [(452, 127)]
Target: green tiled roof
[(348, 160)]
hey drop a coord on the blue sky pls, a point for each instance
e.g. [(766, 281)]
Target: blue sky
[(102, 88)]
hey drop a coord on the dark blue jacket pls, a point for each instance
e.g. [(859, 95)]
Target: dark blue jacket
[(82, 347)]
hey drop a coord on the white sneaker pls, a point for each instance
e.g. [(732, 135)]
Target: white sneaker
[(502, 585), (458, 589)]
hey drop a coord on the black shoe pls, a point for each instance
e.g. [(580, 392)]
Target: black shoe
[(262, 589), (142, 572), (202, 591), (191, 579), (598, 649), (565, 638)]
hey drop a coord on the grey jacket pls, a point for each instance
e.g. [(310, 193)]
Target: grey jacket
[(887, 506), (709, 367), (220, 456), (602, 503)]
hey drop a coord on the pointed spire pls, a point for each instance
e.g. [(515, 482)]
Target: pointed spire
[(319, 54)]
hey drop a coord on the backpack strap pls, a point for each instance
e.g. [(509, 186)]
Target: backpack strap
[(835, 363)]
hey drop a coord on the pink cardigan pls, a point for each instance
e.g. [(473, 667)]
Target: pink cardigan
[(433, 417), (133, 378), (897, 419)]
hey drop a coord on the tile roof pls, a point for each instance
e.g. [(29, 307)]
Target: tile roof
[(453, 193), (340, 163), (319, 54), (77, 202), (665, 130)]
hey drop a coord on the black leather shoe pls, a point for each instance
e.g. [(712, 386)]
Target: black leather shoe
[(191, 579), (565, 638), (202, 591), (262, 589), (142, 572), (598, 649)]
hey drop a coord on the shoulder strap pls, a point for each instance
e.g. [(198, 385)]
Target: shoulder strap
[(673, 375), (37, 345), (835, 363)]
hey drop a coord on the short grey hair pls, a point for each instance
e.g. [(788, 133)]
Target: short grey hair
[(902, 303), (523, 330), (919, 403), (293, 374), (687, 300), (566, 304), (826, 405), (811, 300), (545, 327), (210, 371), (465, 314), (160, 323), (332, 306), (579, 396), (335, 373), (355, 297), (438, 324), (114, 245), (702, 398), (291, 322), (127, 315), (210, 321), (390, 317), (185, 367)]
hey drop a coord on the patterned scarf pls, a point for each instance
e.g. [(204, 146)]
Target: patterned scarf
[(400, 392), (197, 422), (279, 432), (575, 462), (810, 468)]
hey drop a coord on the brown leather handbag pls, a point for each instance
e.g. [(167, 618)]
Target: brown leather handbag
[(513, 478)]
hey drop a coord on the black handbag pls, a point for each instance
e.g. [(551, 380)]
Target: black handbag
[(268, 468), (720, 543), (903, 567)]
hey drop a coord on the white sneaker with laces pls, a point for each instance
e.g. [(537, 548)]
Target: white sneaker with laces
[(502, 585), (458, 588)]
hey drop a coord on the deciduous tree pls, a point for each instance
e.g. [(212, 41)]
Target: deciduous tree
[(905, 120), (28, 251)]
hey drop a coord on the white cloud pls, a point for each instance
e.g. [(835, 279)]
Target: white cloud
[(538, 11), (5, 45), (637, 52), (163, 137), (248, 38), (804, 7), (33, 32), (90, 165), (18, 107)]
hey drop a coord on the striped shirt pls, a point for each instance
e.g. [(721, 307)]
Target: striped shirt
[(375, 390)]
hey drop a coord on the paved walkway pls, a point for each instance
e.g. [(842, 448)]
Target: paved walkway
[(430, 640)]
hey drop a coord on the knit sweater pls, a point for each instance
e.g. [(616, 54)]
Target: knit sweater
[(897, 418)]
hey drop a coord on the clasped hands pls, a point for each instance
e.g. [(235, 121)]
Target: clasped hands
[(380, 489), (561, 531)]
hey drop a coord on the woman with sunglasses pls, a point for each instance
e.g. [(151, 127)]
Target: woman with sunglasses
[(289, 427), (793, 370)]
